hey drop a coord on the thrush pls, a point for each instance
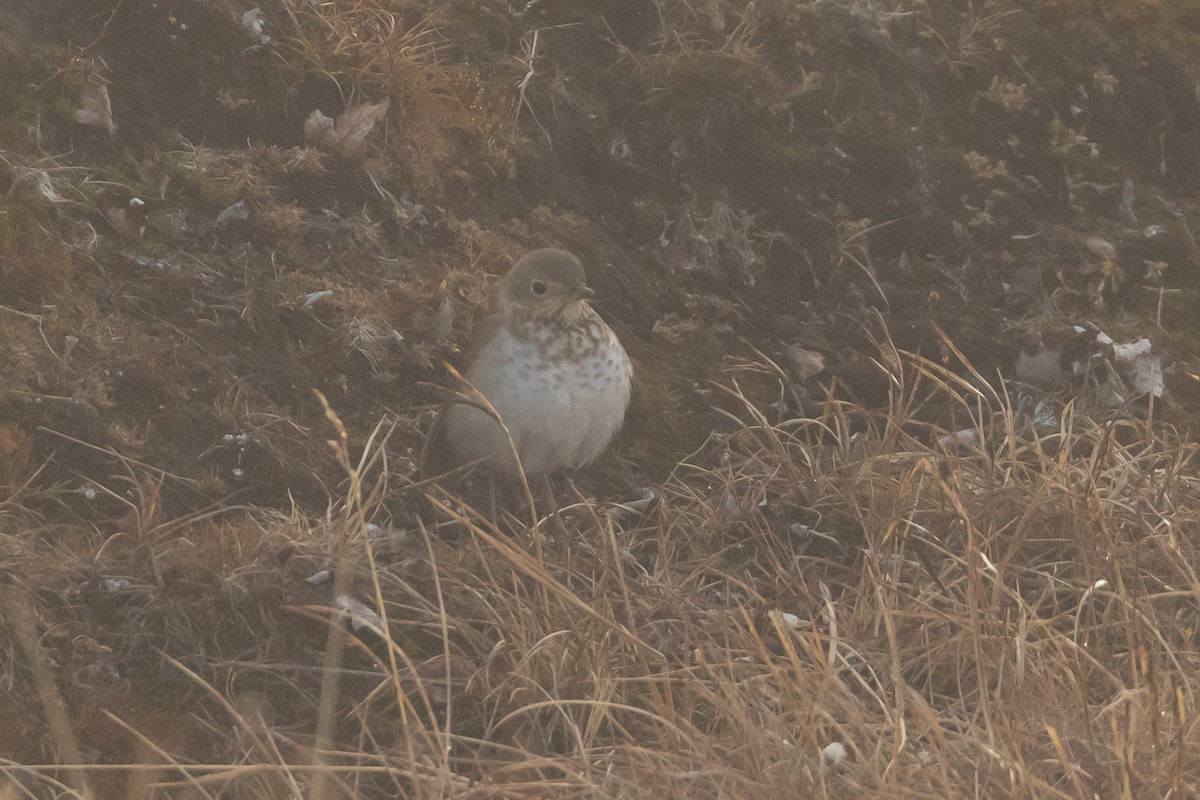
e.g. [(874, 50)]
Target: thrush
[(550, 368)]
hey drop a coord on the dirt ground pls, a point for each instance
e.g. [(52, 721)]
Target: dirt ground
[(883, 485)]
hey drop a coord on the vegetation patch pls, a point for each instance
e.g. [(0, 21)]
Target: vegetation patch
[(905, 501)]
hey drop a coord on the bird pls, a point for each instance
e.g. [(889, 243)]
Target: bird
[(550, 368)]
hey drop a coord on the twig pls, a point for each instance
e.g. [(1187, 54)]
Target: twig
[(87, 48)]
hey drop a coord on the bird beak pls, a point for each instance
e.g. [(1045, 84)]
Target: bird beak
[(584, 293)]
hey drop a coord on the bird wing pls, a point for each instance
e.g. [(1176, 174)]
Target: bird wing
[(482, 334), (436, 455)]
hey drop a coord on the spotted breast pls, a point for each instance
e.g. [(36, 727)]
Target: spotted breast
[(550, 367)]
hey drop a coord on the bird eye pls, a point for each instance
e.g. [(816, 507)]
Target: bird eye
[(538, 287)]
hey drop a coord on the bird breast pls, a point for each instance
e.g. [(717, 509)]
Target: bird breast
[(562, 390)]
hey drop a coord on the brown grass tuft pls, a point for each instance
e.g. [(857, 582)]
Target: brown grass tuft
[(1011, 619)]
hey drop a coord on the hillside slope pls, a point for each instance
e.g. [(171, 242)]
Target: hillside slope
[(890, 517)]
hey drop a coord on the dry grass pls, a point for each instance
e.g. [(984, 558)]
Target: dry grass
[(1013, 621), (202, 597), (445, 124)]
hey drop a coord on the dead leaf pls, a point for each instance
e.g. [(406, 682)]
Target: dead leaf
[(128, 217), (967, 437), (1120, 371), (360, 615), (1109, 389), (253, 22), (236, 214), (1141, 368), (642, 500), (1042, 368), (95, 108), (345, 136), (806, 363), (319, 577)]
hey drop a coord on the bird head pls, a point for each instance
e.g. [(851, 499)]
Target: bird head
[(545, 283)]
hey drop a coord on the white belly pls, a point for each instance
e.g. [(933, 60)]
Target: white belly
[(560, 413)]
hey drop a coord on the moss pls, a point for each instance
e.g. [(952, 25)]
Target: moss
[(34, 267), (212, 192)]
